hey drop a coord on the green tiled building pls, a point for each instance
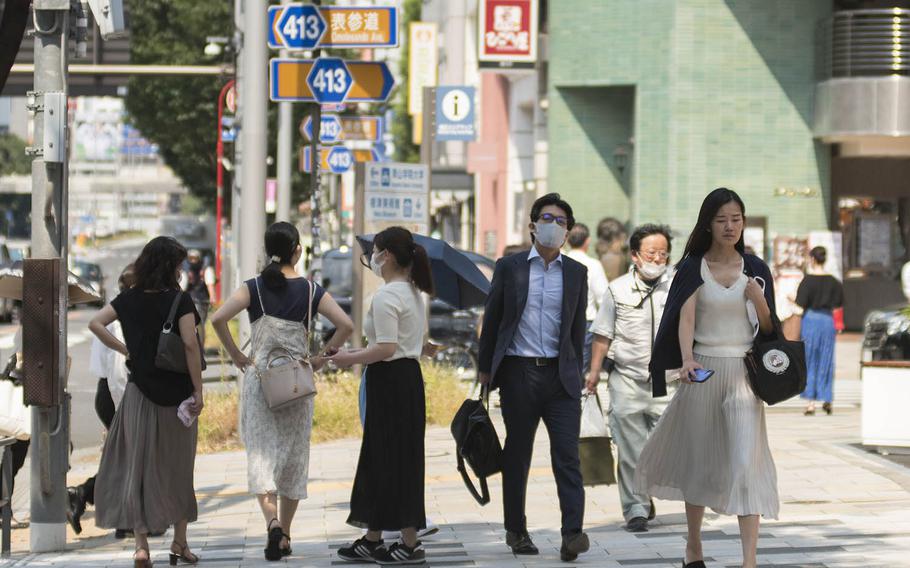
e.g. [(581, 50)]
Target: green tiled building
[(652, 103)]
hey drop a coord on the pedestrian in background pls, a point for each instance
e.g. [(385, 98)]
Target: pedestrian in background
[(388, 491), (710, 448), (818, 295), (145, 480), (110, 367), (624, 332), (531, 350), (277, 442), (198, 279), (579, 241), (611, 243)]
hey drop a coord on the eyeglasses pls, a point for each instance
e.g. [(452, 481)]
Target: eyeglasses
[(654, 254), (550, 218)]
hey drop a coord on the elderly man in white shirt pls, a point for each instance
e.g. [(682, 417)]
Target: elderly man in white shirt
[(579, 241), (624, 331)]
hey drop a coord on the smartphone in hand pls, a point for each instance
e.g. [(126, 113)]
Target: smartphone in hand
[(701, 375)]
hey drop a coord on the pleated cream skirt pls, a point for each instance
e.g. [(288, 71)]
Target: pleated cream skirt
[(145, 480), (710, 447)]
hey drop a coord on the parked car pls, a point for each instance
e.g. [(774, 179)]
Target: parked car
[(92, 273), (455, 329), (886, 334)]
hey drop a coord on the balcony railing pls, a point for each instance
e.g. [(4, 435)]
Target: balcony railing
[(864, 43)]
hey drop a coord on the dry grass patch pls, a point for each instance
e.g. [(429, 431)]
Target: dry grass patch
[(337, 412)]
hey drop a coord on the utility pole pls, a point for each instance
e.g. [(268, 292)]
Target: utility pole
[(254, 132), (236, 178), (50, 424), (285, 153), (315, 188)]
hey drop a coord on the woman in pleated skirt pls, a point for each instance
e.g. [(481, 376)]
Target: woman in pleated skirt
[(710, 447), (388, 492)]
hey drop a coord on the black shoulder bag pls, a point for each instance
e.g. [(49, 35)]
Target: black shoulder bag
[(776, 366), (477, 444), (170, 354)]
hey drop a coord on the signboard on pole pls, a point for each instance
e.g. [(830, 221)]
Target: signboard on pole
[(271, 194), (423, 63), (455, 113), (507, 34), (337, 159), (348, 128), (295, 26), (290, 80), (360, 26), (397, 193), (305, 26)]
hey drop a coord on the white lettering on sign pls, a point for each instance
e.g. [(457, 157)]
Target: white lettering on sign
[(331, 80), (305, 27), (339, 22), (372, 22), (355, 21)]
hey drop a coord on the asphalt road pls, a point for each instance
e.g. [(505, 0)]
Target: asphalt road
[(86, 428)]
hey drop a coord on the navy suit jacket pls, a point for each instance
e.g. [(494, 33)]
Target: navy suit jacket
[(506, 302)]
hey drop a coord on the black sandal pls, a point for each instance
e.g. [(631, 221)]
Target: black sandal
[(182, 554), (272, 547), (286, 551)]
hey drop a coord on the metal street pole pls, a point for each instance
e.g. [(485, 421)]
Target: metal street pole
[(254, 135), (50, 424), (219, 191), (315, 179), (236, 177), (285, 153)]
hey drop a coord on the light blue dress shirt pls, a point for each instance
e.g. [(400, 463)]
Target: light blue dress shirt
[(538, 331)]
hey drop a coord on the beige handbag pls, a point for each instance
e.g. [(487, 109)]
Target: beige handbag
[(286, 379)]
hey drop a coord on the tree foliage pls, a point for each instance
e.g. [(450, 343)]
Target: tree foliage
[(405, 149), (179, 113), (13, 160)]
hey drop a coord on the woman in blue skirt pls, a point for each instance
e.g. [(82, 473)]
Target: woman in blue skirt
[(819, 294)]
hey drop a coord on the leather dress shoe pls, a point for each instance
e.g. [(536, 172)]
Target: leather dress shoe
[(573, 545), (637, 525), (521, 543), (695, 564)]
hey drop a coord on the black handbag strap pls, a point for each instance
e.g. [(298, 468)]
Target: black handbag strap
[(484, 496), (169, 322)]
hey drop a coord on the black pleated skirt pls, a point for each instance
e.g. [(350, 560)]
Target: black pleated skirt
[(388, 486)]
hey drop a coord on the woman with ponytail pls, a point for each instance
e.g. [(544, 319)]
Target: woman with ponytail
[(277, 442), (388, 487)]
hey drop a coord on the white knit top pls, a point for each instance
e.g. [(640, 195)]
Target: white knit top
[(722, 327)]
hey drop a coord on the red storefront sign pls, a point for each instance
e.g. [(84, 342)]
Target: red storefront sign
[(508, 31)]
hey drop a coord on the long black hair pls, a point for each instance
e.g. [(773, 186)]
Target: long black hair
[(156, 266), (700, 239), (281, 241), (399, 242)]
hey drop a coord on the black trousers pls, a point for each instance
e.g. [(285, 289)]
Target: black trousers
[(18, 452), (528, 394), (104, 407)]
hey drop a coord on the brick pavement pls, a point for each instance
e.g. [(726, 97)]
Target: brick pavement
[(841, 506)]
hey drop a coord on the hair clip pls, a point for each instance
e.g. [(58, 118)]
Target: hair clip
[(275, 258)]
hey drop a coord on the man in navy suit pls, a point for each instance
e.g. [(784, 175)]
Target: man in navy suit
[(531, 350)]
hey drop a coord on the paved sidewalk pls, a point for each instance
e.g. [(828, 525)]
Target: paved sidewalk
[(841, 506)]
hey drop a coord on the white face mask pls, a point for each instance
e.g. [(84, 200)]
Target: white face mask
[(375, 265), (550, 235), (651, 271)]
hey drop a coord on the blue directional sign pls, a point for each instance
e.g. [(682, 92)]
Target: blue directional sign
[(329, 80), (295, 26), (330, 130)]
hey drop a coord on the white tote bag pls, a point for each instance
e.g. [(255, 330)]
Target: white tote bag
[(15, 420)]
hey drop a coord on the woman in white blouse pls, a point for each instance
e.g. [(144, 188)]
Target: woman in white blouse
[(388, 489)]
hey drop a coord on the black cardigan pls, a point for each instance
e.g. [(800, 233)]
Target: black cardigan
[(666, 354)]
